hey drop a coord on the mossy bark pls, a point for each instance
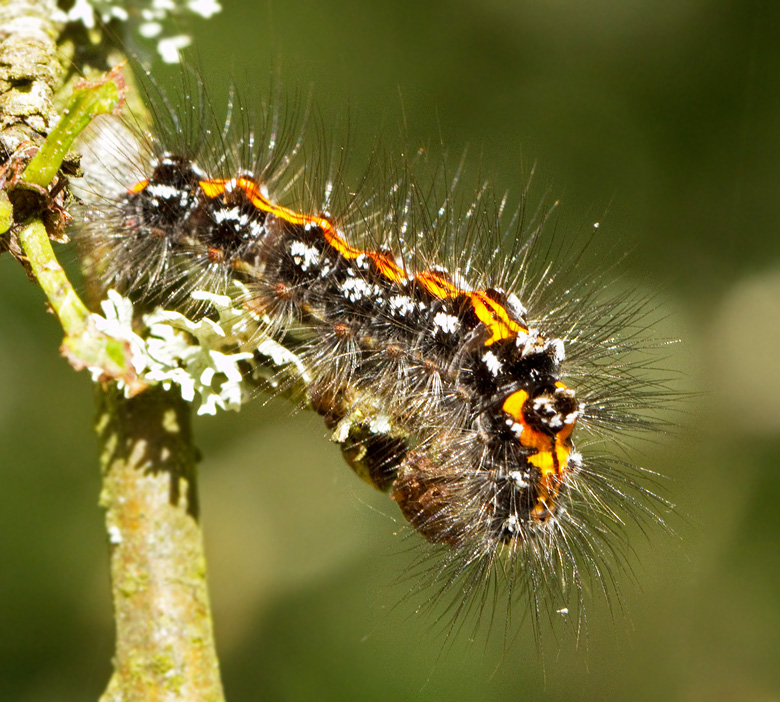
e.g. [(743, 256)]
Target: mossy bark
[(164, 635), (165, 643)]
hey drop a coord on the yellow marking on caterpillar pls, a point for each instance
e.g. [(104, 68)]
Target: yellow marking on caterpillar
[(492, 314), (551, 455)]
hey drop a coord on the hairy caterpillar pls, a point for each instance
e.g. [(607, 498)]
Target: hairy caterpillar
[(452, 368)]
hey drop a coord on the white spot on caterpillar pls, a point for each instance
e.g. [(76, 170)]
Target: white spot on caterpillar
[(355, 289), (512, 524), (543, 403), (515, 427), (515, 306), (574, 416), (546, 406), (446, 323), (160, 191), (493, 364), (558, 350), (325, 268), (519, 479), (401, 305), (166, 192), (257, 229), (234, 214), (531, 343), (304, 257)]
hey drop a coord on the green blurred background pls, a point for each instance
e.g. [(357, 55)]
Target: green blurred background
[(661, 120)]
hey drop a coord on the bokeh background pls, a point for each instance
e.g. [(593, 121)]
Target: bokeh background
[(661, 120)]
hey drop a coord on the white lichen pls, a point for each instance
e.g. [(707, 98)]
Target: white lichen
[(201, 357)]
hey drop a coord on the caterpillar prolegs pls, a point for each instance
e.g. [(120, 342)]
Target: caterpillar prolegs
[(455, 371)]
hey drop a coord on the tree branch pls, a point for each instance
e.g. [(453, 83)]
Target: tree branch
[(165, 644)]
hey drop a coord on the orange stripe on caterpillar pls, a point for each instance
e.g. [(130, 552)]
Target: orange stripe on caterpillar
[(139, 186), (551, 443), (495, 317), (492, 314)]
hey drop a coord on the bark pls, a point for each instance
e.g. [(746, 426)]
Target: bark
[(164, 635), (165, 642)]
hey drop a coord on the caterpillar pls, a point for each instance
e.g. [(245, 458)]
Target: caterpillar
[(452, 367)]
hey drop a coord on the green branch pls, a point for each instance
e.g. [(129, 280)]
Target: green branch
[(84, 345), (89, 98)]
